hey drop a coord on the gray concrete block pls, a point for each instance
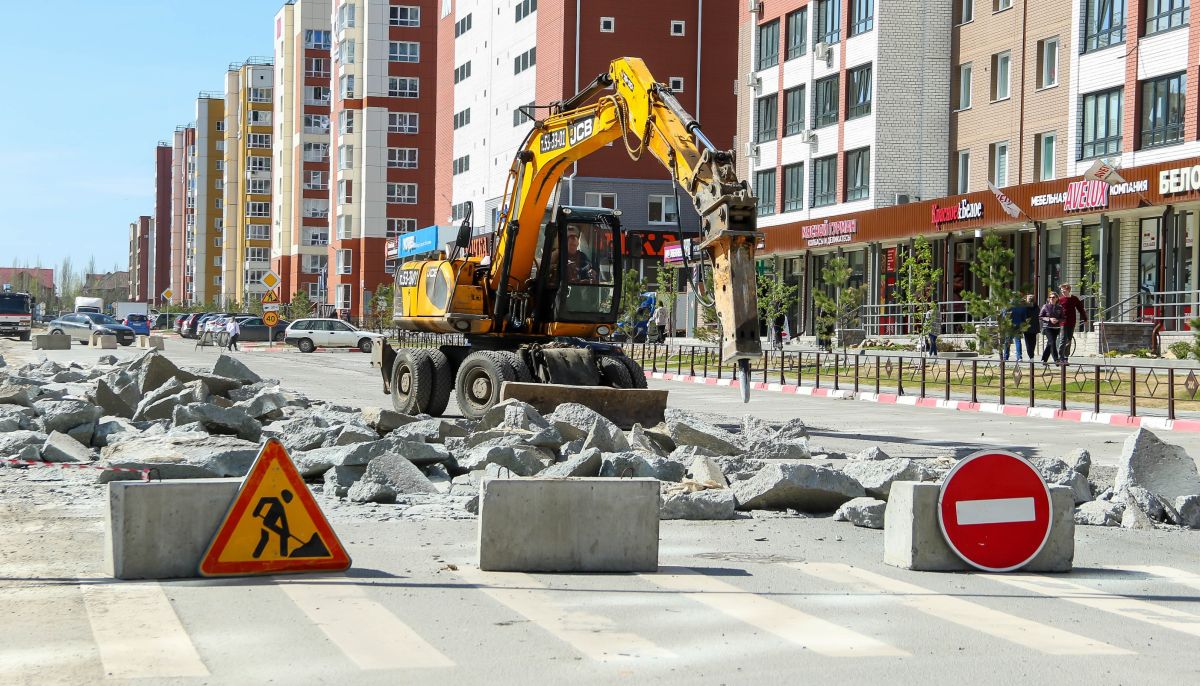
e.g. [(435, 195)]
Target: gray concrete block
[(912, 538), (103, 342), (160, 530), (568, 525), (150, 342), (51, 342)]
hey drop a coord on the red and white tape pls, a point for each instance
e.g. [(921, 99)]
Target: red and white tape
[(72, 465)]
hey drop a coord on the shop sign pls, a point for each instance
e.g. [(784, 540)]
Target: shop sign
[(829, 233), (962, 211), (1180, 180), (391, 249), (889, 260), (672, 252), (1086, 195), (1113, 189)]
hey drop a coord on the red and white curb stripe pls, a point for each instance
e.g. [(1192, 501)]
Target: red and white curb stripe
[(1087, 417), (74, 465)]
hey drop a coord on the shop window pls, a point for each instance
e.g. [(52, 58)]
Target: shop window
[(1148, 255)]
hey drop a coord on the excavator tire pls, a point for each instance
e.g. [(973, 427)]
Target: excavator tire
[(635, 371), (480, 378), (614, 372), (522, 371), (412, 381), (443, 383)]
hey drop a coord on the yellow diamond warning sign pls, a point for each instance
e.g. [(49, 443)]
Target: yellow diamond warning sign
[(274, 525)]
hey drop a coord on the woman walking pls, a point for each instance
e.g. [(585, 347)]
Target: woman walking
[(1051, 318)]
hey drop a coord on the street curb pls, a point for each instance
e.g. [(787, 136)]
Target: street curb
[(282, 348), (1082, 416)]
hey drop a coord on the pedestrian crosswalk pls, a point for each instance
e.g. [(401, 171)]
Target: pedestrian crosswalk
[(681, 617)]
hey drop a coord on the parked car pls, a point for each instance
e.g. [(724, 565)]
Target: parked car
[(214, 322), (161, 321), (310, 334), (140, 323), (81, 325), (189, 325), (178, 326), (253, 329)]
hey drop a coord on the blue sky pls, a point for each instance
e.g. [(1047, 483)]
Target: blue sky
[(88, 101)]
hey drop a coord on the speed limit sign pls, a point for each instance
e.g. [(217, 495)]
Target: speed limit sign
[(270, 318)]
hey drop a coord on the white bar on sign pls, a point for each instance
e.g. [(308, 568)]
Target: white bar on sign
[(994, 511)]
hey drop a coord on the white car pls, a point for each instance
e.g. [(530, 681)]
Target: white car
[(310, 334)]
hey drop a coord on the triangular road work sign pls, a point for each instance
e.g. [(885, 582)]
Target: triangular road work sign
[(270, 297), (274, 525)]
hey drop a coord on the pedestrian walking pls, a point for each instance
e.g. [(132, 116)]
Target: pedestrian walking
[(933, 327), (1052, 317), (1021, 315), (1070, 305), (1032, 329), (234, 330), (661, 319)]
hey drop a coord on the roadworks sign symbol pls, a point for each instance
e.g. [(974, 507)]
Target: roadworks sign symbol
[(270, 297), (274, 525)]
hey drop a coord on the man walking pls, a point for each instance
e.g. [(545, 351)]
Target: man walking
[(1070, 305), (234, 330), (661, 319)]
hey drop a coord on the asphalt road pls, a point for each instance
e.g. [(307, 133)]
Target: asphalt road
[(770, 599)]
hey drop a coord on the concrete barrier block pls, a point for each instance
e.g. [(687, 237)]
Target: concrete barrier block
[(104, 342), (568, 525), (622, 406), (160, 530), (150, 342), (51, 342), (912, 538)]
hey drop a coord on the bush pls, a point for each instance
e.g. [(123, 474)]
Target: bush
[(1181, 350)]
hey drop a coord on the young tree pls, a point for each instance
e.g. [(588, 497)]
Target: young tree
[(1089, 282), (992, 268), (710, 330), (775, 298), (666, 293), (381, 307), (300, 305), (632, 286), (839, 311), (917, 282)]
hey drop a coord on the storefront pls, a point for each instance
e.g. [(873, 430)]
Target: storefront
[(1138, 231)]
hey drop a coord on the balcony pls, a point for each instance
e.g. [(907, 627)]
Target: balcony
[(251, 263), (258, 175)]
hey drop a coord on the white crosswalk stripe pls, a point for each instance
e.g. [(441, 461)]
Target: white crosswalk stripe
[(1171, 574), (1024, 632), (138, 633)]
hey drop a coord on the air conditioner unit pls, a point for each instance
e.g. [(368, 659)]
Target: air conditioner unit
[(755, 6), (905, 198), (752, 151), (823, 51), (755, 83), (807, 136)]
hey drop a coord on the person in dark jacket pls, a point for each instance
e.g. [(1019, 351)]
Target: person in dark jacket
[(1020, 316), (1051, 317), (1071, 306), (1032, 330)]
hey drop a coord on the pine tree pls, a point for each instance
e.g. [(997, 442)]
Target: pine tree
[(917, 282), (992, 268)]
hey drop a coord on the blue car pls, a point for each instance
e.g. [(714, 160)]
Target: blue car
[(139, 323)]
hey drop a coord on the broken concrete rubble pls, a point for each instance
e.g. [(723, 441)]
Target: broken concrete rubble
[(698, 505), (865, 512), (877, 476), (798, 486)]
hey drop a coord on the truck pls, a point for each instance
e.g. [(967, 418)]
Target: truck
[(16, 314), (85, 304), (534, 309), (124, 309)]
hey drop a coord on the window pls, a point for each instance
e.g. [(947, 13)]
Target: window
[(404, 51), (825, 102), (258, 232), (858, 98), (1000, 75), (314, 235), (402, 158), (963, 172), (525, 60), (259, 187), (258, 140), (764, 188), (768, 44), (678, 27), (404, 15), (1045, 156), (257, 254), (345, 157), (317, 181), (404, 87), (607, 24), (1163, 15), (345, 224), (315, 293), (316, 208), (316, 152), (316, 95), (343, 295), (402, 193), (462, 71), (258, 163), (219, 203), (675, 83), (402, 122), (346, 122), (1103, 23), (1047, 56), (316, 66), (217, 280), (345, 265), (793, 187), (463, 118), (824, 183), (793, 110), (797, 33), (765, 120), (318, 40), (258, 209), (258, 117), (862, 16), (347, 86), (395, 227), (462, 26), (345, 16), (523, 114), (525, 8), (1001, 5), (260, 95), (858, 174), (345, 51), (998, 165), (966, 11), (345, 192), (220, 145), (605, 200), (1100, 123), (1162, 110), (219, 184), (660, 209), (220, 126), (828, 28), (964, 86), (461, 165)]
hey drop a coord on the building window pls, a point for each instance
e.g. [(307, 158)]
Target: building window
[(797, 33), (260, 95), (345, 226), (525, 8), (858, 98), (258, 117), (461, 165), (346, 122), (345, 51), (345, 16), (395, 227), (793, 187), (1162, 110), (1100, 123), (402, 122), (678, 27), (462, 71), (315, 293), (318, 40), (402, 193), (862, 16), (660, 209), (1000, 80), (317, 181), (608, 24), (525, 60), (345, 192), (1103, 23), (316, 95), (523, 114), (462, 26), (825, 102), (258, 209), (404, 87), (964, 86), (316, 152), (675, 83), (316, 208), (344, 291), (345, 265), (963, 172), (258, 232), (260, 187), (463, 118), (404, 51), (315, 264), (793, 110), (1163, 15), (220, 126), (858, 174), (347, 86), (605, 200), (966, 11), (764, 188), (766, 120), (404, 15), (219, 203), (1001, 5), (316, 66), (828, 28), (768, 45), (402, 158), (259, 140), (259, 163), (345, 157), (824, 183), (219, 184), (1045, 156), (998, 164), (1047, 56)]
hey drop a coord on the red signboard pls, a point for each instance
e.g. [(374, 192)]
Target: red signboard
[(995, 511)]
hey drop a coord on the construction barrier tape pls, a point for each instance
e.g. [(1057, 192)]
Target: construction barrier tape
[(72, 465)]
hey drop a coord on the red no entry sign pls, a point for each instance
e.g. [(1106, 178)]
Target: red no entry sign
[(994, 510)]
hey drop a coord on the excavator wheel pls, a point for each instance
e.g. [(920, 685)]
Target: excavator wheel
[(412, 381), (480, 378), (614, 372), (635, 371), (443, 383), (520, 369)]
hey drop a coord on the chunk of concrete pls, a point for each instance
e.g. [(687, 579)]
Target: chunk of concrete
[(103, 341), (339, 479), (1187, 509), (151, 343), (397, 472), (912, 537), (61, 415), (1099, 513), (1058, 472), (606, 437), (872, 453), (60, 447), (1165, 470), (568, 525), (705, 470), (804, 487), (877, 476), (712, 503), (51, 342), (623, 406), (219, 420), (865, 512), (585, 463), (180, 456), (233, 368), (161, 530), (385, 421), (574, 421)]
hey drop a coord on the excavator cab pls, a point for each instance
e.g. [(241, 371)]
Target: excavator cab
[(578, 284)]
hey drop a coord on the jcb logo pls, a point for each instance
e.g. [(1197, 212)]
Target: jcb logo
[(581, 130)]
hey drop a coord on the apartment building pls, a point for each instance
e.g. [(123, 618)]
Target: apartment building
[(303, 95), (183, 137), (159, 273), (384, 90), (246, 246), (500, 59), (203, 212), (140, 258)]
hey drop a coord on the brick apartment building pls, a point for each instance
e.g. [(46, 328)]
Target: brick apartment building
[(160, 238), (140, 258)]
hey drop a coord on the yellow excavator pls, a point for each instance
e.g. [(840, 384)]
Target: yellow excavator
[(535, 309)]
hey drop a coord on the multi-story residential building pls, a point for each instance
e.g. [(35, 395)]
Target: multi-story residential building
[(159, 277), (182, 217), (384, 90), (497, 65), (203, 220), (140, 258), (303, 71), (246, 249)]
